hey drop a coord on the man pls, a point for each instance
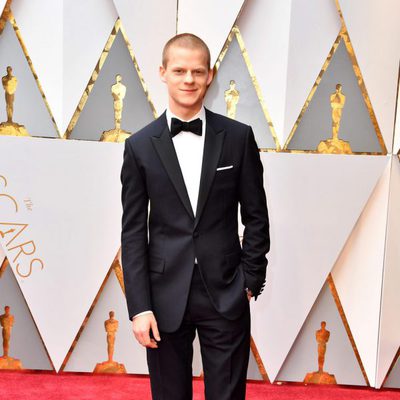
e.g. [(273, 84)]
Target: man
[(184, 268)]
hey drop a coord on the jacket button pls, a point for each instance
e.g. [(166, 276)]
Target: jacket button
[(196, 234)]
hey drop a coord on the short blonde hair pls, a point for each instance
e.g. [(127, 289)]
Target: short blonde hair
[(189, 41)]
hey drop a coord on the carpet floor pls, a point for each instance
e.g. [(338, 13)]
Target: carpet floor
[(68, 386)]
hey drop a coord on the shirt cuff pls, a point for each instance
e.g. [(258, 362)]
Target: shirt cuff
[(142, 313)]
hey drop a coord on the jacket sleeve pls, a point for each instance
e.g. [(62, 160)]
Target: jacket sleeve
[(134, 241), (254, 215)]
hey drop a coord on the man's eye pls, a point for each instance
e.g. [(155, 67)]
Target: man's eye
[(179, 71)]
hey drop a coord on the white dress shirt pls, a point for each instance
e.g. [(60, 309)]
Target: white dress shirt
[(189, 150)]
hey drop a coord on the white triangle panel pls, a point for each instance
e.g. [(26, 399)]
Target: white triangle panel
[(71, 232), (87, 26), (358, 274), (149, 25), (210, 20), (375, 34), (314, 202), (41, 25), (389, 335), (264, 25), (314, 26)]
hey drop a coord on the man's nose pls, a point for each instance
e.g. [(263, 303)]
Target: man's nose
[(189, 77)]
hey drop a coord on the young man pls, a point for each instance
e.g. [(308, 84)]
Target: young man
[(183, 177)]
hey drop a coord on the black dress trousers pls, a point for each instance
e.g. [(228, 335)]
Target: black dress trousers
[(225, 348)]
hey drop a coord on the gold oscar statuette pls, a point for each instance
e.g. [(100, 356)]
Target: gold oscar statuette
[(118, 135), (320, 376), (10, 83), (7, 322), (336, 145), (231, 97), (110, 366)]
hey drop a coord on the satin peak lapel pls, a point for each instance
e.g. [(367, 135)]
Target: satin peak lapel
[(212, 150), (166, 151)]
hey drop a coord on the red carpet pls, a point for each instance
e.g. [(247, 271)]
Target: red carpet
[(44, 386)]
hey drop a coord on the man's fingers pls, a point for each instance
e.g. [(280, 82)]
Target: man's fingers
[(141, 333), (152, 345), (154, 329), (143, 337)]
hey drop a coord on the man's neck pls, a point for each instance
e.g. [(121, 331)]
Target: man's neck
[(183, 113)]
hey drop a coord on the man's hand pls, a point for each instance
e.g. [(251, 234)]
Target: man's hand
[(249, 295), (141, 326)]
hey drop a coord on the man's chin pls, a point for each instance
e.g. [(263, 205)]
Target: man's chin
[(191, 105)]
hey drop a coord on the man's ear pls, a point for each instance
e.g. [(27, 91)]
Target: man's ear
[(210, 76), (161, 71)]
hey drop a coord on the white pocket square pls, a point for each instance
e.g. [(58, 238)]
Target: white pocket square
[(222, 168)]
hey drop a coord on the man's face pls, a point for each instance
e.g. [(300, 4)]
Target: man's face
[(187, 77)]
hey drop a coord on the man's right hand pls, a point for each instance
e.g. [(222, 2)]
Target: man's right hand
[(141, 326)]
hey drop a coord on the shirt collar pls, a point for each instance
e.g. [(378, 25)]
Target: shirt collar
[(201, 114)]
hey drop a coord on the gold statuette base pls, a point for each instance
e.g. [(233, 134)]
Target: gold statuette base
[(10, 363), (109, 367), (320, 377), (115, 136), (12, 129), (334, 146)]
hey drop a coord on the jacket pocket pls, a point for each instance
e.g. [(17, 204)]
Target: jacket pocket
[(156, 265)]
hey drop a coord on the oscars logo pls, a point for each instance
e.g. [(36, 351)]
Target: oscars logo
[(14, 236)]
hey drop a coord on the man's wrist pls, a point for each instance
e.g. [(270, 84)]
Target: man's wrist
[(142, 313)]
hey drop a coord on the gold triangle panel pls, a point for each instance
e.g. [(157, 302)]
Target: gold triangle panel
[(30, 112), (101, 105), (323, 351), (235, 92), (24, 348)]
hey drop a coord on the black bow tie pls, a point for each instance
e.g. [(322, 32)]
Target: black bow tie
[(193, 126)]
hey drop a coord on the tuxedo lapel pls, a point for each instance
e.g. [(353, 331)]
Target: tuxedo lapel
[(212, 150), (166, 151)]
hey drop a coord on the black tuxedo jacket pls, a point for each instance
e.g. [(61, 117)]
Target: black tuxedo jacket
[(161, 237)]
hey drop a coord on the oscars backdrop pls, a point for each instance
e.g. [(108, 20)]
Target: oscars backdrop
[(317, 80)]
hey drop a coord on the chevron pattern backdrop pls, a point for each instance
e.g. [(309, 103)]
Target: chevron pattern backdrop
[(335, 218)]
